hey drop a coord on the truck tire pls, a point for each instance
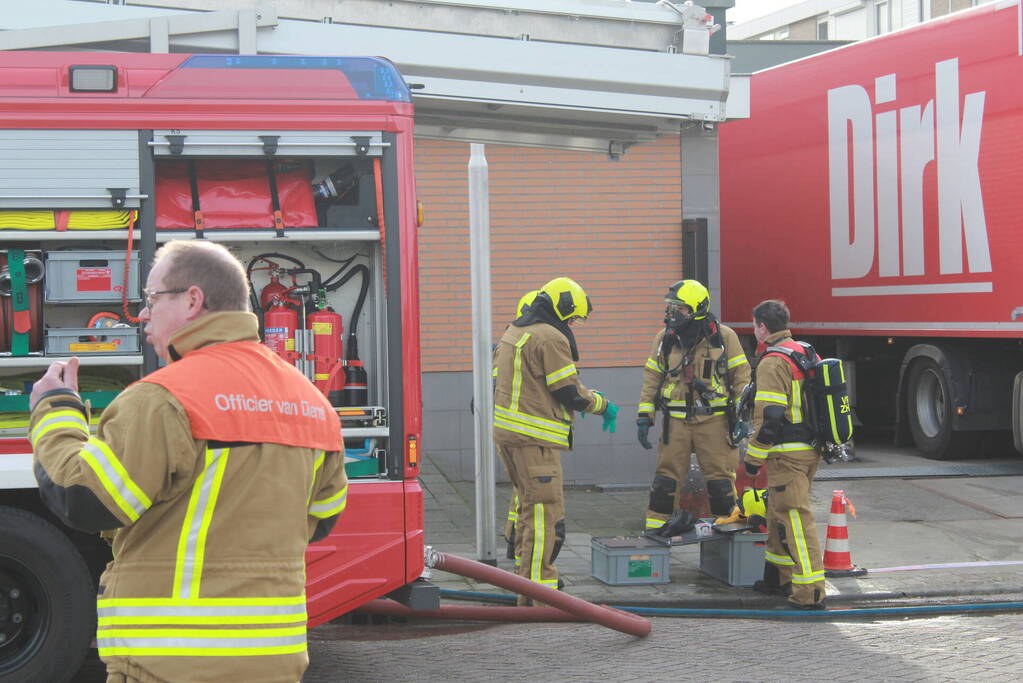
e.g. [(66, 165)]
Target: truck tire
[(47, 601), (929, 410)]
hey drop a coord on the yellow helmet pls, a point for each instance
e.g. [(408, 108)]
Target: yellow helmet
[(692, 294), (752, 502), (568, 299), (526, 300)]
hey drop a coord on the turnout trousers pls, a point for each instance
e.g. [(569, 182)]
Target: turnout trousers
[(540, 528), (709, 440), (793, 552)]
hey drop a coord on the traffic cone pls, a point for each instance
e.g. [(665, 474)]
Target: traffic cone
[(837, 558)]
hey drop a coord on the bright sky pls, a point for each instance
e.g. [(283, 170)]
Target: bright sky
[(745, 10)]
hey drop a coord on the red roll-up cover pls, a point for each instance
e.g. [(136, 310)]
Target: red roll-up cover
[(233, 193)]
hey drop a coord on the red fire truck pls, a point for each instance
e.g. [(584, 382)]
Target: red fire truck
[(302, 166), (875, 188)]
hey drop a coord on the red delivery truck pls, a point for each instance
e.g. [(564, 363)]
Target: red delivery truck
[(876, 189)]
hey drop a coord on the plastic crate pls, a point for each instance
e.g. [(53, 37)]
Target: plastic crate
[(89, 276), (88, 341), (629, 560), (737, 559), (19, 402)]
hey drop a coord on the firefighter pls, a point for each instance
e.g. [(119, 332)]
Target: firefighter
[(696, 370), (513, 504), (536, 392), (209, 477), (781, 440)]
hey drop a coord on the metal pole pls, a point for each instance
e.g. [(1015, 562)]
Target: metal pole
[(483, 400)]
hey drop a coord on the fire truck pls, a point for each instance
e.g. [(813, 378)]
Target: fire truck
[(875, 188), (302, 166)]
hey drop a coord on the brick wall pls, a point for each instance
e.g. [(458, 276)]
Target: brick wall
[(613, 226)]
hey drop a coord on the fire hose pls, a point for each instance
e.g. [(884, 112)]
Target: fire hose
[(564, 607)]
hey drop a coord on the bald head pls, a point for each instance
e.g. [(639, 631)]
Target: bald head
[(210, 267)]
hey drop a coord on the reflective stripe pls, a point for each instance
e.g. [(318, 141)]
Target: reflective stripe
[(792, 446), (328, 507), (536, 560), (736, 361), (494, 371), (654, 364), (517, 374), (317, 464), (645, 408), (201, 611), (807, 575), (561, 374), (599, 403), (797, 402), (808, 578), (549, 425), (513, 509), (192, 541), (214, 605), (125, 492), (784, 560), (652, 523), (758, 453), (527, 430), (771, 397), (59, 419), (192, 642)]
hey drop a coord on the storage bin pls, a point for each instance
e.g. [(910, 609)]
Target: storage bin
[(629, 560), (76, 276), (88, 341), (737, 559)]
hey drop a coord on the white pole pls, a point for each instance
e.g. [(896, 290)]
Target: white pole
[(483, 400)]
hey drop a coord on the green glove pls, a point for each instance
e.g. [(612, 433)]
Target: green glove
[(610, 418)]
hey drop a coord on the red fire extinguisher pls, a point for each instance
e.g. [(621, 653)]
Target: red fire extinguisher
[(279, 324), (327, 328), (274, 287)]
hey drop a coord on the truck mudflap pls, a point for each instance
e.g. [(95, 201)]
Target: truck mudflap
[(375, 548)]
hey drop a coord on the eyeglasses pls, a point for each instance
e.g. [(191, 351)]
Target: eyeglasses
[(151, 296)]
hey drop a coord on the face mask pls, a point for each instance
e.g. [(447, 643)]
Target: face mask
[(676, 318)]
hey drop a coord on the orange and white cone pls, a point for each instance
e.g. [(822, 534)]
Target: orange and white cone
[(837, 558)]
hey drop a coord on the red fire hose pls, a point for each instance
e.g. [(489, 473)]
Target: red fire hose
[(564, 607), (469, 612)]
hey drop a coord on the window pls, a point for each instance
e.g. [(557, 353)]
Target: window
[(883, 17), (822, 29)]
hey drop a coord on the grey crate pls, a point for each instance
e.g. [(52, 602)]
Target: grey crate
[(87, 341), (628, 560), (737, 559), (89, 276)]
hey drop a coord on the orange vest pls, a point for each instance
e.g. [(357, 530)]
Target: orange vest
[(242, 391)]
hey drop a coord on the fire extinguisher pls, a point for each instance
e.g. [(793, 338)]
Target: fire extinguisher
[(266, 295), (327, 327), (279, 324)]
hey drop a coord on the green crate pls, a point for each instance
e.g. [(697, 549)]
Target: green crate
[(19, 403)]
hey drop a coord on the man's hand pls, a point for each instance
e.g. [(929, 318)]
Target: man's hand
[(60, 375), (610, 418), (643, 425)]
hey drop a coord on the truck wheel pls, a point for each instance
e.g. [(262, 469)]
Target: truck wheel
[(929, 409), (47, 601)]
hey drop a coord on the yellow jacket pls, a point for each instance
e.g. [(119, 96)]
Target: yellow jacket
[(530, 363), (724, 370), (208, 577)]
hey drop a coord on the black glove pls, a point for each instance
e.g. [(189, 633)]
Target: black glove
[(643, 425), (751, 470)]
